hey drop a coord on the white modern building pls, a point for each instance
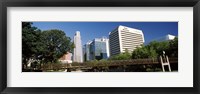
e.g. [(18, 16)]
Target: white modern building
[(165, 38), (78, 53), (123, 38)]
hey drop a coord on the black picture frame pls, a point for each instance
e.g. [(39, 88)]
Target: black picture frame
[(98, 3)]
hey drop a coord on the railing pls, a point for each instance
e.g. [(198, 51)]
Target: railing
[(107, 63), (124, 62)]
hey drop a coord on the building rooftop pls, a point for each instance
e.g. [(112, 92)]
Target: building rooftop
[(133, 30), (101, 39), (163, 38)]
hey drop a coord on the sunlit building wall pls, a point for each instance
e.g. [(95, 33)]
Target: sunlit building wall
[(66, 58), (125, 38), (78, 51)]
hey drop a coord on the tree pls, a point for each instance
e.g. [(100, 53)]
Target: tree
[(122, 56), (152, 53), (154, 49), (159, 47), (56, 45), (31, 42), (46, 46), (173, 50), (140, 52)]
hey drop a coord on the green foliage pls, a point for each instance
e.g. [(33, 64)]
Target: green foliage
[(91, 63), (56, 44), (173, 51), (75, 64), (26, 25), (103, 60), (31, 42), (45, 46), (73, 45), (140, 53), (154, 49), (51, 67), (144, 52), (160, 46), (123, 56)]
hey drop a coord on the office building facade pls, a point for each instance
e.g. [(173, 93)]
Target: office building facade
[(78, 51), (125, 38), (97, 49), (87, 51)]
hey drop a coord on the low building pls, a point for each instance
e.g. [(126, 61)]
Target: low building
[(165, 38), (66, 58)]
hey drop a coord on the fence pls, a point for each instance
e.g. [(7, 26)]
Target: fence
[(108, 63)]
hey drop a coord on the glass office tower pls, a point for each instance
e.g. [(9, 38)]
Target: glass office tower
[(97, 49)]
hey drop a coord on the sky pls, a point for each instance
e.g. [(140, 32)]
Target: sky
[(91, 30)]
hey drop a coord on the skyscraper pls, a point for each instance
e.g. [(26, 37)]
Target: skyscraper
[(123, 38), (88, 51), (100, 48), (78, 53), (97, 49)]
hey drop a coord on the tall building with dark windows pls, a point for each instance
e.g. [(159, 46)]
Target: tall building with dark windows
[(87, 49), (78, 53), (123, 38), (97, 49)]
